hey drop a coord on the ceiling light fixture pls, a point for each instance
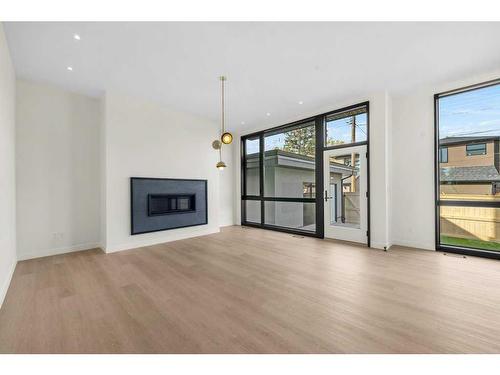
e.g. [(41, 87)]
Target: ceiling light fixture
[(70, 68), (76, 36), (301, 102), (268, 114)]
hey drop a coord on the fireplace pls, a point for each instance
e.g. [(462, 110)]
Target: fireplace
[(164, 203)]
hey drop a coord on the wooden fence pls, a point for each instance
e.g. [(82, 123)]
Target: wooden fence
[(351, 207), (470, 222)]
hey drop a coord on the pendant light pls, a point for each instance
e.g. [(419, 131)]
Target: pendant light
[(226, 137), (221, 165)]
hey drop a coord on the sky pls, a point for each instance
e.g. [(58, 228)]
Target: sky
[(339, 129), (471, 113)]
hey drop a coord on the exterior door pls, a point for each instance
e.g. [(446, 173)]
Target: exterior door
[(345, 194)]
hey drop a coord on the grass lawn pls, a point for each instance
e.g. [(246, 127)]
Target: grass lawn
[(478, 244)]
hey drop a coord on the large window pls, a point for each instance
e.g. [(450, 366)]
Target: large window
[(282, 172), (468, 174), (279, 178)]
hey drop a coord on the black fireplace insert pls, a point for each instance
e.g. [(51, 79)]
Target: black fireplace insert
[(166, 203)]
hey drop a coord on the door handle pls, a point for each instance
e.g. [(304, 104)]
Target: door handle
[(326, 196)]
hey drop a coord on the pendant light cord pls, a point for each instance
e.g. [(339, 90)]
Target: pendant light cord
[(222, 79)]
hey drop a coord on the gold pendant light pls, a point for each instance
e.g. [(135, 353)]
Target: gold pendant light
[(226, 137), (221, 165)]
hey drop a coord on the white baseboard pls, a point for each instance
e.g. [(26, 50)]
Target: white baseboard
[(223, 225), (379, 245), (5, 283), (57, 251), (415, 244), (113, 248)]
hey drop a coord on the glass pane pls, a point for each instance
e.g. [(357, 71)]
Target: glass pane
[(252, 174), (346, 127), (476, 149), (473, 227), (344, 190), (252, 209), (296, 215), (443, 155), (469, 128), (289, 164)]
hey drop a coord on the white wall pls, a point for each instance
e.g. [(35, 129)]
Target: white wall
[(380, 135), (8, 257), (102, 173), (58, 180), (413, 162), (145, 139), (226, 185)]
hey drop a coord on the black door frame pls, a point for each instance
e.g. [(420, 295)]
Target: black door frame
[(460, 203), (320, 134)]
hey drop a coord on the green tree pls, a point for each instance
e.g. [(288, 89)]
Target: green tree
[(301, 141)]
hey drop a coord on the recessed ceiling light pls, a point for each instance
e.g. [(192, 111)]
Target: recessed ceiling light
[(243, 123), (301, 102), (268, 114), (76, 36), (70, 68)]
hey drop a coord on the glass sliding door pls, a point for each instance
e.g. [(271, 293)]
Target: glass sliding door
[(468, 170)]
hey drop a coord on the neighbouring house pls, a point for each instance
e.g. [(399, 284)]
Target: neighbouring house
[(288, 174), (470, 170), (469, 165)]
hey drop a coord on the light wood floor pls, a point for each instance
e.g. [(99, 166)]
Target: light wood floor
[(247, 290)]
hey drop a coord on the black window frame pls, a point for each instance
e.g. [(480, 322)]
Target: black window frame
[(320, 147), (458, 203)]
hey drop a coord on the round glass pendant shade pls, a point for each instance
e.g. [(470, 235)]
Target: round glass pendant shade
[(221, 165), (216, 144), (226, 138)]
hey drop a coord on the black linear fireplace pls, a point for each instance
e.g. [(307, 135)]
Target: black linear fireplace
[(165, 203)]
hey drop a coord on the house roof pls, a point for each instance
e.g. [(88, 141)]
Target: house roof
[(278, 152), (281, 158), (458, 140), (486, 173)]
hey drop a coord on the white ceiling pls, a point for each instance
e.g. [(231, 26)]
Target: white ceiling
[(270, 66)]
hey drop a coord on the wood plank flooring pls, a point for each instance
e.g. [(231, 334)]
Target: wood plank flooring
[(248, 290)]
